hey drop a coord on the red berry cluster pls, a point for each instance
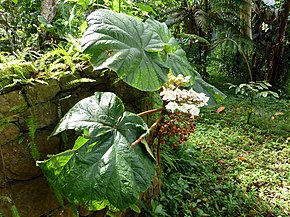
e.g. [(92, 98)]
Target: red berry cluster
[(177, 126)]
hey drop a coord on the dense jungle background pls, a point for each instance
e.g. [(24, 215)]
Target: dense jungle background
[(235, 163)]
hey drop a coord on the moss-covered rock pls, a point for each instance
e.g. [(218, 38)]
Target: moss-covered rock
[(39, 93), (11, 103)]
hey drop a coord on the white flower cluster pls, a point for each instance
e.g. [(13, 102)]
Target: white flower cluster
[(187, 101)]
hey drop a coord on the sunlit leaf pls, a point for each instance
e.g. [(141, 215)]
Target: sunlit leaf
[(125, 45), (102, 169), (141, 53)]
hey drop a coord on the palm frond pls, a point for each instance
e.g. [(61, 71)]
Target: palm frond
[(200, 19)]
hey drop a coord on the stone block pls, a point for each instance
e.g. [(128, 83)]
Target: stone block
[(8, 132), (65, 211), (5, 202), (2, 175), (45, 114), (46, 146), (11, 103), (19, 164), (40, 93), (33, 198)]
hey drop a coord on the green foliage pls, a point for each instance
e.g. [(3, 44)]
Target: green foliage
[(253, 90), (31, 123), (18, 31), (228, 168), (69, 20), (102, 169), (30, 67), (14, 210), (62, 60), (16, 71), (131, 52), (142, 56)]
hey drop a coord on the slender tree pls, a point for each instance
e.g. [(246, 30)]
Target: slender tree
[(273, 73), (246, 18)]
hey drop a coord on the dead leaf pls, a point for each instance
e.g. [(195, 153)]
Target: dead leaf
[(242, 158), (221, 161), (279, 113), (220, 109)]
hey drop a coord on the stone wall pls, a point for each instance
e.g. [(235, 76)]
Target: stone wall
[(22, 185)]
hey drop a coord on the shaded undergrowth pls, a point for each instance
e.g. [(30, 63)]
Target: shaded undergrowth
[(229, 168)]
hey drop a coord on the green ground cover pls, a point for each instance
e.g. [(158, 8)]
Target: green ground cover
[(229, 168)]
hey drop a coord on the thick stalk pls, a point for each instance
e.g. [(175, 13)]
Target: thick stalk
[(150, 129), (151, 111), (246, 19)]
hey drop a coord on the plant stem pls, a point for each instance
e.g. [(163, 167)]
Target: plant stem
[(151, 111), (143, 135)]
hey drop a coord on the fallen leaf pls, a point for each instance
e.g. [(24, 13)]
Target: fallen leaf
[(221, 161), (279, 113), (242, 158), (220, 109)]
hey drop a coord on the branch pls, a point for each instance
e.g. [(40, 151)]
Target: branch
[(151, 111), (143, 135)]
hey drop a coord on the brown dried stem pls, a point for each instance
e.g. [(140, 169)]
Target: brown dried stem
[(151, 111), (150, 129)]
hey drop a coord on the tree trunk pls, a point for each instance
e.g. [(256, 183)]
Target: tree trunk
[(273, 72), (246, 19), (48, 11)]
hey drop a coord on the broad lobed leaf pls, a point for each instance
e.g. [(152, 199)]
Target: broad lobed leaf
[(102, 169), (141, 53), (125, 45)]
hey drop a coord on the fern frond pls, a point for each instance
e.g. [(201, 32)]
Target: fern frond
[(31, 123), (81, 80), (34, 151)]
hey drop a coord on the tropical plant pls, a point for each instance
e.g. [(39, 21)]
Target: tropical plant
[(141, 56), (253, 90), (102, 169), (111, 163), (18, 31)]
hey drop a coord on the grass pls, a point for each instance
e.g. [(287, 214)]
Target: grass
[(229, 168)]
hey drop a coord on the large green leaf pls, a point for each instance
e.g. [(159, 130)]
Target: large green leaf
[(123, 44), (173, 55), (141, 53), (176, 60), (102, 169)]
